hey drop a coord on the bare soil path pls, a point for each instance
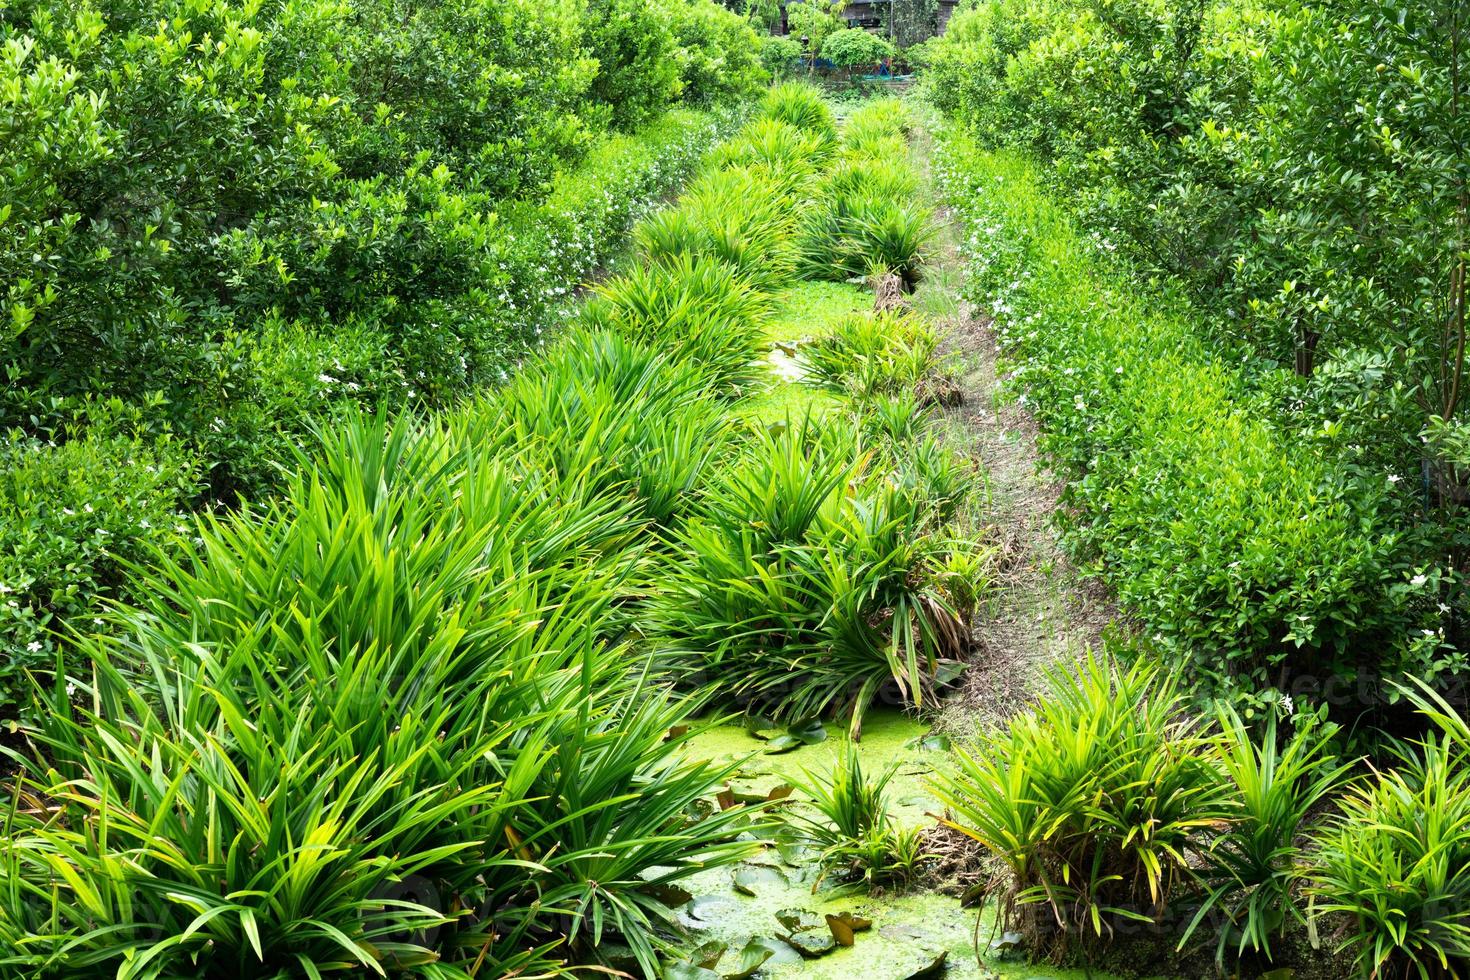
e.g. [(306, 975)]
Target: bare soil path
[(1043, 611)]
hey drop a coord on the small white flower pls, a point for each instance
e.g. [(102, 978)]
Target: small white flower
[(1418, 580), (33, 646), (1394, 478)]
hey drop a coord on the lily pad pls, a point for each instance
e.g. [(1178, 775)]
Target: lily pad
[(707, 954), (798, 920), (810, 731), (811, 943), (751, 958), (930, 970), (748, 877), (688, 971), (783, 743), (1007, 942), (932, 742)]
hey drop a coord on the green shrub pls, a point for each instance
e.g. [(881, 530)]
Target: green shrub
[(384, 722), (1396, 857), (804, 583), (632, 44), (73, 515), (781, 56), (1257, 565), (718, 53), (1091, 800), (801, 105), (854, 48), (693, 309)]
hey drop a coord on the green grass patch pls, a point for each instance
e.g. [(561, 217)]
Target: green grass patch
[(784, 401), (810, 308)]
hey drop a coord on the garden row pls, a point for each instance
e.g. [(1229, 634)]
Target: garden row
[(1269, 458), (1265, 571), (1248, 557), (423, 713), (223, 224)]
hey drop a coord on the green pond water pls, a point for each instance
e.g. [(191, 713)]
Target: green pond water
[(912, 935)]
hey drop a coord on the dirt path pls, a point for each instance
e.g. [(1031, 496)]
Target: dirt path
[(1042, 611)]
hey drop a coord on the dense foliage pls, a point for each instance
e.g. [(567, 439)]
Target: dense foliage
[(419, 715), (225, 223), (1298, 174)]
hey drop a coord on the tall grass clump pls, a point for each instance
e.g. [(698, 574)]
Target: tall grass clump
[(848, 821), (380, 726), (614, 414), (785, 151), (740, 216), (1395, 859), (1253, 870), (872, 355), (695, 309), (807, 580), (802, 106), (1090, 800), (865, 218)]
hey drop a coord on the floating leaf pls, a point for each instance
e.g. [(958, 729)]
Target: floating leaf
[(933, 742), (708, 954), (707, 908), (671, 895), (752, 957), (797, 920), (761, 727), (748, 876), (844, 925), (783, 743), (811, 731), (727, 799), (688, 971), (778, 793), (1007, 942), (678, 731), (811, 943), (930, 970)]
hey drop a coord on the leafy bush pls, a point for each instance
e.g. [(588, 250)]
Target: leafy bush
[(632, 45), (398, 697), (780, 55), (72, 516), (805, 582), (718, 52), (1258, 566), (1296, 169), (694, 309), (1091, 799), (853, 48), (1396, 857)]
